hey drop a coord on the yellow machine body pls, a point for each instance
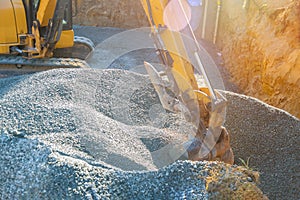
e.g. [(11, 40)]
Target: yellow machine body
[(14, 31), (12, 25), (66, 39), (46, 11)]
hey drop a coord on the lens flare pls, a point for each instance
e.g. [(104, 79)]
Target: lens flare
[(175, 15)]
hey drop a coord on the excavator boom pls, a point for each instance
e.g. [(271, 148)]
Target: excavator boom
[(179, 52)]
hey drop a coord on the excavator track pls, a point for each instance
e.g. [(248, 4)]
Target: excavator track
[(63, 58), (7, 62), (14, 65), (82, 48), (85, 41)]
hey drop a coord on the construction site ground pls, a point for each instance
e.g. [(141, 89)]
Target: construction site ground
[(73, 132)]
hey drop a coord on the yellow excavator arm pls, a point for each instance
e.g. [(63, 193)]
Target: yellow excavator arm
[(178, 50)]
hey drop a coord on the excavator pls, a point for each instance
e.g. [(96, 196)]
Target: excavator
[(172, 30), (37, 35)]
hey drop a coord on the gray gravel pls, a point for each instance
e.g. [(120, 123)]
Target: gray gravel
[(61, 123), (63, 136), (271, 139), (31, 170), (97, 110)]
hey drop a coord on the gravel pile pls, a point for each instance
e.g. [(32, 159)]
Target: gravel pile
[(96, 134), (270, 139), (99, 111), (30, 170)]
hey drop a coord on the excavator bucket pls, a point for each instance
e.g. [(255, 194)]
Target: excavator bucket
[(168, 101)]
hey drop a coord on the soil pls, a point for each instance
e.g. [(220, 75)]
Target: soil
[(261, 49), (121, 14)]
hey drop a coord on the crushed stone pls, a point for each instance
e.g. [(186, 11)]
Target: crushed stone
[(89, 134)]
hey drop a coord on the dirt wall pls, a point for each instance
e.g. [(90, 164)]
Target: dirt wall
[(260, 42), (116, 13)]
